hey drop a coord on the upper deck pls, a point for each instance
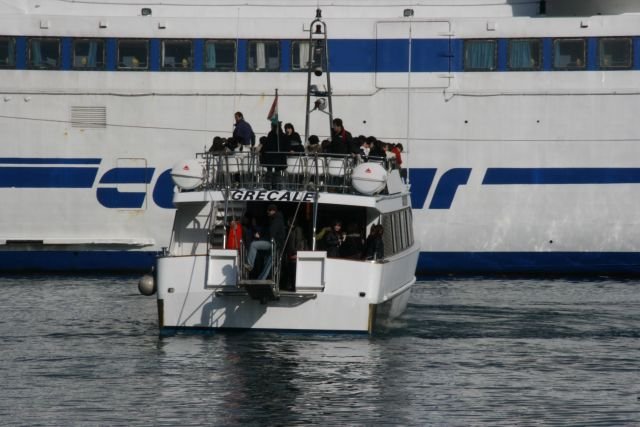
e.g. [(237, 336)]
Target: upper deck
[(325, 178)]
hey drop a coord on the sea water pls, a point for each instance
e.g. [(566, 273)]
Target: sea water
[(468, 351)]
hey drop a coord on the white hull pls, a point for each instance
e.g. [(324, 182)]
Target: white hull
[(342, 305)]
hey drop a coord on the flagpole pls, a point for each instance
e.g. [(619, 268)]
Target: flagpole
[(277, 123)]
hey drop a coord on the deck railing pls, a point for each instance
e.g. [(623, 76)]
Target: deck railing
[(295, 172)]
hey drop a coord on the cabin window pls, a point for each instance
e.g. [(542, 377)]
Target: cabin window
[(569, 54), (615, 53), (264, 55), (7, 52), (177, 55), (387, 235), (525, 55), (133, 54), (44, 54), (409, 218), (220, 55), (480, 55), (300, 55), (88, 54)]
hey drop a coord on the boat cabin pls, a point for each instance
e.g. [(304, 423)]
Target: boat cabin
[(329, 207)]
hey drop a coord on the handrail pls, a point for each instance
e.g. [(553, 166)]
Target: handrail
[(311, 172)]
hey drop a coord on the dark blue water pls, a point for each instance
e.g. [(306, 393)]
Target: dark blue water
[(85, 351)]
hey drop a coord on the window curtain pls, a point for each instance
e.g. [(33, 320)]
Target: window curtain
[(521, 55), (36, 53), (303, 51), (480, 56), (211, 56), (261, 56), (92, 60), (11, 52)]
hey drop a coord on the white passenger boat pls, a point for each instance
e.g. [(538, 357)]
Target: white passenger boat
[(211, 277), (517, 117), (202, 285)]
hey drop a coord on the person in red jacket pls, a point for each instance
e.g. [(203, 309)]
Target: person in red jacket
[(235, 235), (397, 150)]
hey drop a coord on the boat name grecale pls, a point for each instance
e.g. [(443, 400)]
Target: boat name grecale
[(272, 196)]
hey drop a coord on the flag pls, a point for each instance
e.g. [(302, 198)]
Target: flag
[(273, 112)]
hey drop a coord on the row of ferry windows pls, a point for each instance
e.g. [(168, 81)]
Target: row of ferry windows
[(568, 54), (176, 55), (264, 55)]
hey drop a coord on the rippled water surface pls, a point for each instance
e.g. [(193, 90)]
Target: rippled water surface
[(472, 351)]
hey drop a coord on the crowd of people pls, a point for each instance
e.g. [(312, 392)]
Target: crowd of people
[(351, 244), (279, 143), (289, 238)]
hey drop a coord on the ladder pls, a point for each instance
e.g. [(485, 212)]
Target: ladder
[(262, 290), (218, 228)]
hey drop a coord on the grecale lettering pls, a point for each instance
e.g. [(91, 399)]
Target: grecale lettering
[(308, 197), (270, 194), (260, 195), (286, 197), (295, 197), (248, 195), (236, 195)]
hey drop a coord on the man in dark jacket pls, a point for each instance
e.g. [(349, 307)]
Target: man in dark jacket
[(243, 132), (341, 140), (277, 232)]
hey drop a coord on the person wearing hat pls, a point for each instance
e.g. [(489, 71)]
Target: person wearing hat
[(276, 232)]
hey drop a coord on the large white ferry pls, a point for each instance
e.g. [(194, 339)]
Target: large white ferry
[(517, 117)]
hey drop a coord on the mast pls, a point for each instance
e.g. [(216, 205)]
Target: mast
[(317, 68)]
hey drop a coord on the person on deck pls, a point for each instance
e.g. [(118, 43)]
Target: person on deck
[(293, 137), (314, 145), (242, 131), (274, 152), (276, 232), (352, 247), (374, 246), (341, 140), (333, 240)]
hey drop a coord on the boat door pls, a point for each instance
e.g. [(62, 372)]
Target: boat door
[(429, 63)]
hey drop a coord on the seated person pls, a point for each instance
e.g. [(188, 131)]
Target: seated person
[(352, 247), (333, 240), (374, 246), (276, 232)]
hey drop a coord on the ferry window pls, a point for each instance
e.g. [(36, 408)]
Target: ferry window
[(480, 55), (44, 54), (300, 55), (7, 53), (88, 54), (220, 55), (133, 54), (525, 54), (569, 54), (177, 55), (615, 53), (264, 55)]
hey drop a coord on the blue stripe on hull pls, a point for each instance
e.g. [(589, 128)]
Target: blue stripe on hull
[(76, 261), (529, 262), (47, 177), (428, 263)]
